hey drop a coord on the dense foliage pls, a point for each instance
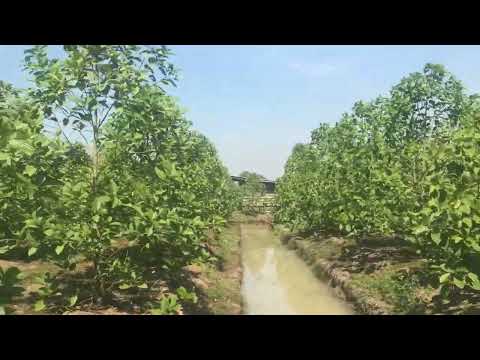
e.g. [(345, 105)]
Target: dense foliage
[(252, 183), (140, 193), (406, 165), (250, 192)]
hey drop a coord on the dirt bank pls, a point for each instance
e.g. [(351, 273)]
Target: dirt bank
[(378, 276), (218, 285)]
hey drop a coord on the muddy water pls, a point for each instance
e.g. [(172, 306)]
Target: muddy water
[(277, 281)]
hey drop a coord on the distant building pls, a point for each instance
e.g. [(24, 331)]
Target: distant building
[(240, 180), (269, 185)]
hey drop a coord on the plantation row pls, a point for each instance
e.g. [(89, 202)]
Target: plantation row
[(139, 199), (405, 165)]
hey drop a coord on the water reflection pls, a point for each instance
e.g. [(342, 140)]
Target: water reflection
[(277, 281)]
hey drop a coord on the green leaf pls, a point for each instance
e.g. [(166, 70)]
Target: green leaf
[(157, 311), (475, 246), (473, 277), (59, 249), (136, 208), (465, 209), (457, 238), (73, 300), (143, 286), (20, 145), (124, 286), (2, 310), (420, 229), (49, 232), (39, 305), (30, 170), (160, 173), (475, 281), (4, 156), (459, 283), (100, 201), (188, 232), (436, 238), (5, 249), (444, 278), (32, 251)]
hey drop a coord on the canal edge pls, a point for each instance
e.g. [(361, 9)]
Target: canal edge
[(339, 281)]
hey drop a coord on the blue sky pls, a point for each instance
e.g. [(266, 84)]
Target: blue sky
[(256, 102)]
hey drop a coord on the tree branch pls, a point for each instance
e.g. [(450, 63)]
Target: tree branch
[(63, 133), (83, 136), (105, 116)]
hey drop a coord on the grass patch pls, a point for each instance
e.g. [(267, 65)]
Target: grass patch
[(222, 296), (329, 248), (402, 290), (392, 279)]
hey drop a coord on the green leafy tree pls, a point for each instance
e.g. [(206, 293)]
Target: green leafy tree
[(6, 90), (253, 183), (92, 85), (9, 287), (31, 168), (251, 192), (140, 196), (402, 165), (423, 104)]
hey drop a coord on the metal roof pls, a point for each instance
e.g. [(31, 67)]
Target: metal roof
[(241, 178)]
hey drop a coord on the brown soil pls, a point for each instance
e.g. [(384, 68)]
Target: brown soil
[(337, 260), (219, 286), (350, 266), (121, 304)]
